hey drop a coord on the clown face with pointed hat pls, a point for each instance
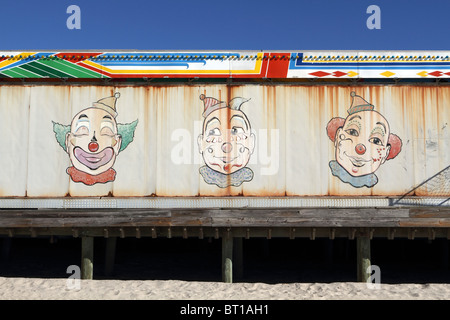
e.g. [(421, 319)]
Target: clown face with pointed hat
[(363, 142), (226, 142), (93, 141)]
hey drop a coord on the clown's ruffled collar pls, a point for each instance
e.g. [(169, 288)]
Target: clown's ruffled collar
[(221, 180), (368, 180), (88, 179)]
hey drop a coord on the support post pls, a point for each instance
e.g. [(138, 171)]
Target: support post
[(363, 257), (87, 257), (238, 254), (227, 259), (110, 255)]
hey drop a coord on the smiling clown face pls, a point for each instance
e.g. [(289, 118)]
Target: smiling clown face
[(362, 143), (93, 142), (226, 142)]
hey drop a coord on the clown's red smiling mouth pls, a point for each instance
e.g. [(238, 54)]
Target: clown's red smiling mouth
[(226, 159), (357, 161), (93, 160), (226, 166)]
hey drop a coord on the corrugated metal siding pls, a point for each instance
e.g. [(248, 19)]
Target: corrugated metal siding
[(292, 150)]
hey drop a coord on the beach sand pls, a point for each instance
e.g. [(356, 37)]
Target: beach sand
[(45, 289)]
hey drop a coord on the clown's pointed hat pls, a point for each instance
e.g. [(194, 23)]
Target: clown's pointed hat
[(211, 104), (359, 104), (108, 104), (236, 103)]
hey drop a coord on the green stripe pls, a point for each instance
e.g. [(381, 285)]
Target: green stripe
[(72, 68), (57, 72), (27, 73), (44, 70), (13, 74)]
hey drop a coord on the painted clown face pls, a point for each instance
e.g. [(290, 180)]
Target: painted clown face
[(226, 142), (362, 142), (93, 142)]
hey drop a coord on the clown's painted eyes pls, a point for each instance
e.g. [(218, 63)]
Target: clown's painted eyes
[(352, 132), (82, 131), (107, 128), (214, 132), (106, 131), (237, 130), (376, 141)]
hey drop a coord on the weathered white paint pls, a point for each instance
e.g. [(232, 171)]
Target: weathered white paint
[(34, 165), (14, 126)]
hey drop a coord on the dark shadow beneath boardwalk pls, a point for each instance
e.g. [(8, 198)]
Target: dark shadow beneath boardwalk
[(277, 260)]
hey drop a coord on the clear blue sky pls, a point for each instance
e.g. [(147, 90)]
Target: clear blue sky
[(225, 25)]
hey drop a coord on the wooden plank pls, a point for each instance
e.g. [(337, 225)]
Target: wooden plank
[(312, 222), (430, 212), (223, 218), (87, 258), (311, 212), (426, 222)]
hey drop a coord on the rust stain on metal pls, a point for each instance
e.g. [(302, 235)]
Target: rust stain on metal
[(416, 114)]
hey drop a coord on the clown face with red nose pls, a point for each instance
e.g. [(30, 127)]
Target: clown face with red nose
[(93, 142), (226, 143), (363, 142)]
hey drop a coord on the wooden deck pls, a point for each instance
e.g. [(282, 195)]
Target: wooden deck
[(230, 225), (244, 222)]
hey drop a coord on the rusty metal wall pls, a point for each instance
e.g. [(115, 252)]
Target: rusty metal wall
[(287, 144)]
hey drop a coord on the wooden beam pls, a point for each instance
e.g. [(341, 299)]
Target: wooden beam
[(138, 233), (87, 257), (362, 257), (110, 255), (313, 234), (227, 259)]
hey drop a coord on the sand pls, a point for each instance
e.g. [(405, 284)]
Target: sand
[(63, 289)]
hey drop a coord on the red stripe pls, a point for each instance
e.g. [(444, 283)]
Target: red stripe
[(279, 66), (77, 55), (261, 74), (81, 64)]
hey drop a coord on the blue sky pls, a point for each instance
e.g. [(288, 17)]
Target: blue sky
[(225, 25)]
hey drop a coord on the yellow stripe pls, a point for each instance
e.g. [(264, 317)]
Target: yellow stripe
[(8, 62), (256, 70)]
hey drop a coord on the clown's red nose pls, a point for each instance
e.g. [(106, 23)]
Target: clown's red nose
[(93, 146), (360, 149), (227, 147)]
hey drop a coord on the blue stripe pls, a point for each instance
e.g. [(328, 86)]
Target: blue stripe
[(300, 64), (169, 56), (25, 61), (382, 67), (146, 63)]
